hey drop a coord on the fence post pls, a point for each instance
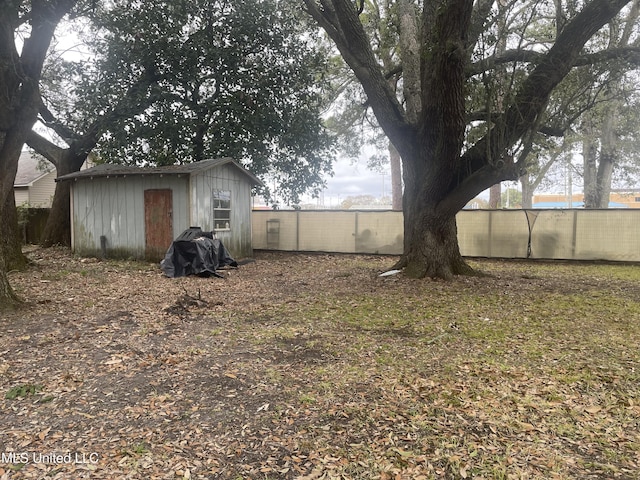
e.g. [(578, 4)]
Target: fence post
[(574, 236)]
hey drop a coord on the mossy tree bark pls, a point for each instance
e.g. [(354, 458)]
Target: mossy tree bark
[(11, 237), (19, 104)]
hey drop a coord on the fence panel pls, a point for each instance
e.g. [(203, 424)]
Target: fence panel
[(327, 231), (379, 232), (607, 235), (612, 234)]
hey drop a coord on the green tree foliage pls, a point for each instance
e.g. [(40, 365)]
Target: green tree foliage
[(240, 79)]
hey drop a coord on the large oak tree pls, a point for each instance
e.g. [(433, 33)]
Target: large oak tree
[(443, 167), (26, 30)]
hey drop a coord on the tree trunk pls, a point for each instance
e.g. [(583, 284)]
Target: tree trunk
[(598, 174), (430, 238), (396, 178), (8, 298), (11, 256), (607, 158), (57, 230), (10, 237), (431, 249), (605, 174), (527, 192), (495, 196), (589, 154), (10, 252)]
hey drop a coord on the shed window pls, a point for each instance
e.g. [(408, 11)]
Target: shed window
[(221, 210)]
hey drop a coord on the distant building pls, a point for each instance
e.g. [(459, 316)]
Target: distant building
[(35, 181), (616, 200)]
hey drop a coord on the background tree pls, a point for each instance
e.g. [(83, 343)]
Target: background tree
[(590, 114), (355, 201), (240, 79), (176, 82), (26, 30), (604, 128), (442, 168), (577, 121), (352, 118), (511, 198)]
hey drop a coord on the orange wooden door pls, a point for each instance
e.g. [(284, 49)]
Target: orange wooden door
[(158, 222)]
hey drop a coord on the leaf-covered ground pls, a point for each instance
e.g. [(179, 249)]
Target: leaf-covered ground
[(305, 366)]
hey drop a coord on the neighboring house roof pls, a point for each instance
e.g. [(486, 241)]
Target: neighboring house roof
[(28, 171), (109, 170)]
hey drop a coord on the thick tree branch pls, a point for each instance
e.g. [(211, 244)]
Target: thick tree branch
[(134, 100), (550, 130), (629, 54), (489, 156), (45, 147), (535, 91), (443, 84), (50, 121), (339, 18)]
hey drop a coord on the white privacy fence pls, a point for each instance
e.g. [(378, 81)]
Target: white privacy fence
[(612, 234)]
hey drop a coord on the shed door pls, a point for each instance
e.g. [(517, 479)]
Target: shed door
[(158, 222)]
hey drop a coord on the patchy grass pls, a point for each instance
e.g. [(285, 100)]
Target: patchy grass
[(311, 366)]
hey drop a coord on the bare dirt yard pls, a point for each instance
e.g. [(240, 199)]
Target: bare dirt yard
[(304, 366)]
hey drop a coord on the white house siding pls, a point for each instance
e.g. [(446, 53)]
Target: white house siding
[(39, 193), (228, 178), (114, 208), (42, 191), (22, 195)]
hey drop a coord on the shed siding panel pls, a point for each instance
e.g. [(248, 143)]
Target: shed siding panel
[(114, 207), (132, 205), (228, 178)]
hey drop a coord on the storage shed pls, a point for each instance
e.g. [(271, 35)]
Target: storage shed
[(121, 211)]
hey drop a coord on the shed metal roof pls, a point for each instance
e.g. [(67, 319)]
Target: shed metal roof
[(109, 170)]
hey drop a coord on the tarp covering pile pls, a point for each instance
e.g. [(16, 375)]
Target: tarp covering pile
[(196, 252)]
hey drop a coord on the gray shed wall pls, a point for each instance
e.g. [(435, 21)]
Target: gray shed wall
[(226, 178), (114, 207)]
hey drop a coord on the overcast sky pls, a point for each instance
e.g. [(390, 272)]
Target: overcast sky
[(353, 178)]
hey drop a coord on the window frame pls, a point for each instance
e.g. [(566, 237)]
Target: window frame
[(221, 202)]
